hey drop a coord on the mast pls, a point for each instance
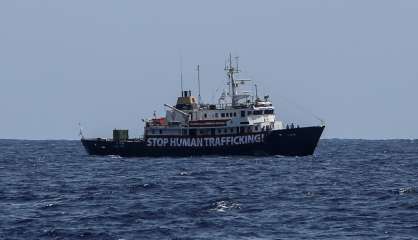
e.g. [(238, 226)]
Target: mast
[(233, 86), (181, 74), (198, 82)]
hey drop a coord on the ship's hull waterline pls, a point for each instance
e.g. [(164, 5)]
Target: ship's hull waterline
[(287, 142)]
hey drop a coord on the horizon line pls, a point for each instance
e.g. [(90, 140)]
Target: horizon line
[(74, 139)]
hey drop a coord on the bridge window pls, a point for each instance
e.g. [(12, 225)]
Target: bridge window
[(258, 112), (235, 114), (222, 114), (216, 115), (269, 111), (250, 113)]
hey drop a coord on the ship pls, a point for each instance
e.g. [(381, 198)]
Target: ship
[(240, 123)]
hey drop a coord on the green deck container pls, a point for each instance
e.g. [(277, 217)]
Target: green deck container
[(120, 135)]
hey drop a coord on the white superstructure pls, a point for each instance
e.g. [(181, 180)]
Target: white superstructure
[(235, 113)]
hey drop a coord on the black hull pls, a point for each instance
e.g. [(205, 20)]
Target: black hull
[(286, 142)]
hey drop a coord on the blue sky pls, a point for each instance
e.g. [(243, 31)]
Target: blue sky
[(107, 64)]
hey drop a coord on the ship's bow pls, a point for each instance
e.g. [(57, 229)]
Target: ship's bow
[(294, 142)]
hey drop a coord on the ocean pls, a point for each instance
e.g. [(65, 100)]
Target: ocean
[(350, 189)]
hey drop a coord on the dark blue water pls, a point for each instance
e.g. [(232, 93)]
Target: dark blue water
[(350, 189)]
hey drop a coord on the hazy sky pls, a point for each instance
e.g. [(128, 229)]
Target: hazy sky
[(107, 64)]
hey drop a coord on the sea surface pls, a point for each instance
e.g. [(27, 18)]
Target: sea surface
[(350, 189)]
